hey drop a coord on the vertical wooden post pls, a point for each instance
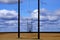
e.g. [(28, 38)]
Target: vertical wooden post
[(18, 18), (38, 19)]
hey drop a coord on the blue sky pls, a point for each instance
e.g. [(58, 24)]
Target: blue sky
[(8, 15), (9, 6), (27, 8), (50, 15), (50, 4), (9, 11), (28, 5)]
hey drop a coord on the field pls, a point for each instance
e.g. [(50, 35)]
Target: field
[(50, 36), (23, 36), (31, 36)]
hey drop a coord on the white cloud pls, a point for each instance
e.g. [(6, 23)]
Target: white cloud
[(43, 14), (35, 13), (12, 22), (51, 16), (43, 18), (8, 17), (57, 12), (46, 15), (43, 10), (9, 1), (8, 13)]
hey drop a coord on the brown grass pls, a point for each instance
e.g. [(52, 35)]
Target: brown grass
[(13, 36), (31, 36), (50, 36), (8, 35)]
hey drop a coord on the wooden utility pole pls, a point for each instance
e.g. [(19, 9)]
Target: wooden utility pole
[(38, 19), (18, 18)]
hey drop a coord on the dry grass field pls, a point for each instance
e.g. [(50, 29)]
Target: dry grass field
[(8, 35), (30, 36), (50, 36), (13, 36)]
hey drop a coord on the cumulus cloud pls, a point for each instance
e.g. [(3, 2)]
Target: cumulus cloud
[(46, 15), (51, 16), (43, 14), (12, 22), (8, 14), (8, 1), (57, 12), (43, 10), (35, 13), (8, 17), (43, 18)]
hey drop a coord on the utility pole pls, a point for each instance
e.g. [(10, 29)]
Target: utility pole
[(18, 18), (38, 19)]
